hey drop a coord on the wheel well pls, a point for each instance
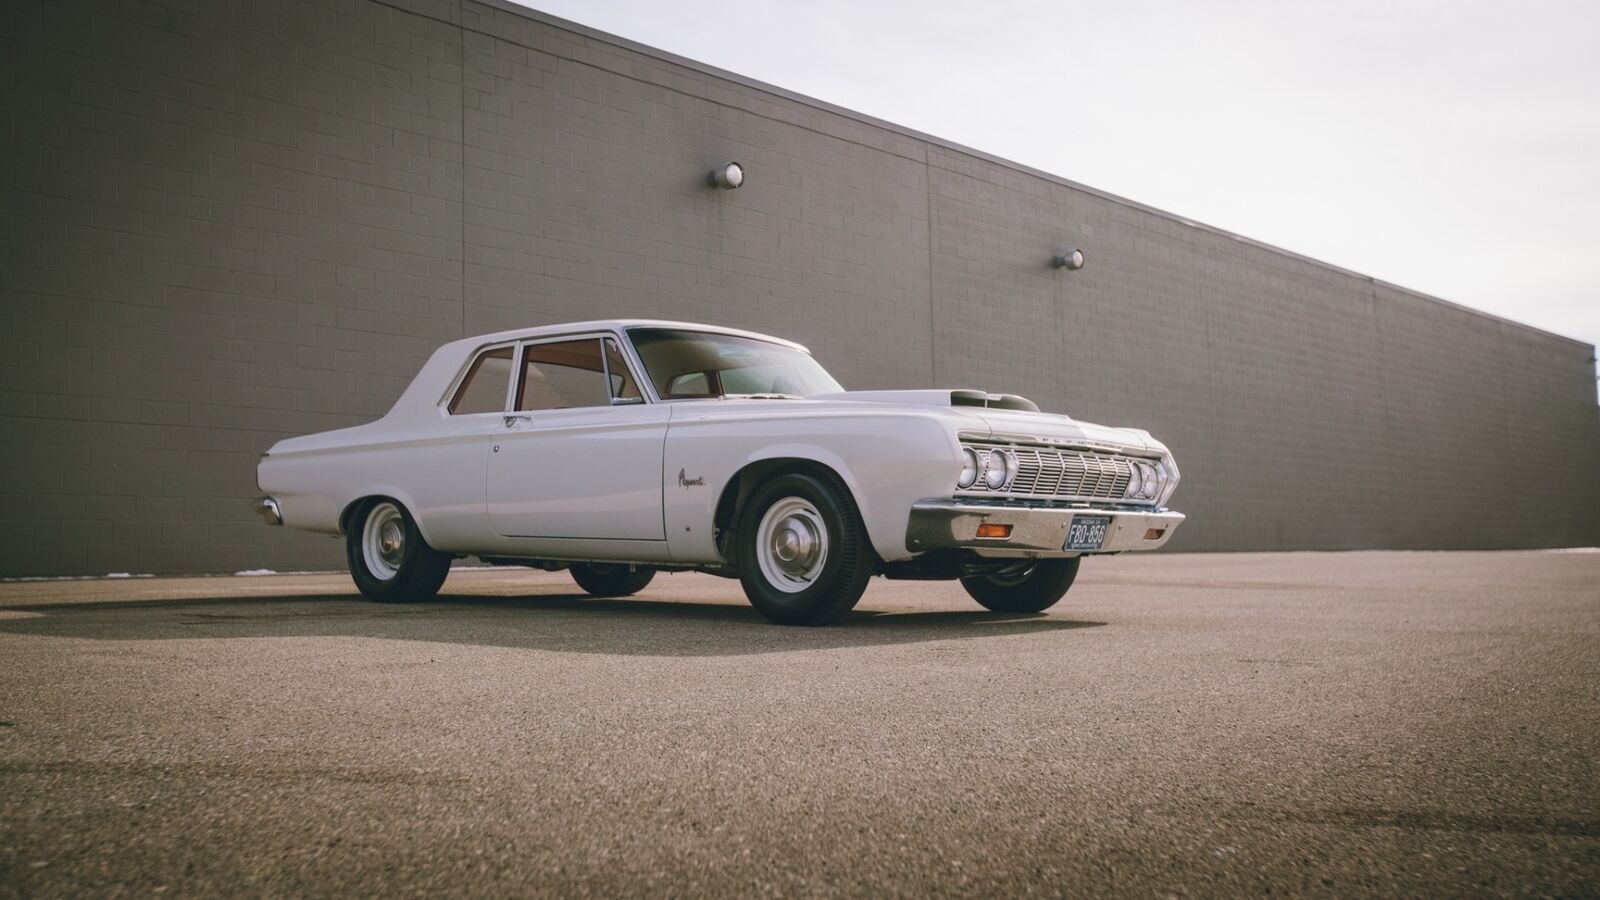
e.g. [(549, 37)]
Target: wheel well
[(354, 508), (744, 482)]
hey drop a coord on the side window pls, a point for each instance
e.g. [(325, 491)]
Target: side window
[(622, 384), (562, 375), (484, 388)]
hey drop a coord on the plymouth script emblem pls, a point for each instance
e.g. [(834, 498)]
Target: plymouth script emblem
[(686, 482)]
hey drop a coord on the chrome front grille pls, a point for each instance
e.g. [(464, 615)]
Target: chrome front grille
[(1072, 474)]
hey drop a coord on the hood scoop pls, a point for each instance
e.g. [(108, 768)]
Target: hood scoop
[(992, 401), (1009, 417), (958, 398)]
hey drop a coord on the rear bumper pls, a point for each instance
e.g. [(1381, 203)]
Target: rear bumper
[(945, 524)]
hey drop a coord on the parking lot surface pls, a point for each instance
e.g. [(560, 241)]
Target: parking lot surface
[(1334, 724)]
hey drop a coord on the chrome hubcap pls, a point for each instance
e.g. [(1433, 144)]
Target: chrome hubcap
[(389, 542), (791, 544), (383, 541), (795, 545)]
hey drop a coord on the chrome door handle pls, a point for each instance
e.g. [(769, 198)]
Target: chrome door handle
[(510, 419)]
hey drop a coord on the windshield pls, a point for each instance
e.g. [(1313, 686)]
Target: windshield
[(687, 365)]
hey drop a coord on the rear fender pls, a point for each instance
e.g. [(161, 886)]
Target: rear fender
[(347, 515)]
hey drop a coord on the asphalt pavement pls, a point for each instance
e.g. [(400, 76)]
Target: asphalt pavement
[(1180, 725)]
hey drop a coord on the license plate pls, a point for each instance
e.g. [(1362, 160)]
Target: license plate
[(1087, 533)]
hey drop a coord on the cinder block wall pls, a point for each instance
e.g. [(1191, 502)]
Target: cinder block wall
[(228, 222)]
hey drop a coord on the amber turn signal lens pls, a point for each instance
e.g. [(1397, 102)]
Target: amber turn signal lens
[(1154, 534), (990, 530)]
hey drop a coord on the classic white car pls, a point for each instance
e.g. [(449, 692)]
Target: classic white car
[(619, 449)]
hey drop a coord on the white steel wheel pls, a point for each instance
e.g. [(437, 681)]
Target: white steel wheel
[(801, 549), (389, 559), (791, 544), (383, 541)]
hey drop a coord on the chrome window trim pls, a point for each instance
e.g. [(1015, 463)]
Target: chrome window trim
[(605, 360), (466, 367), (599, 337), (633, 363), (638, 361), (605, 372)]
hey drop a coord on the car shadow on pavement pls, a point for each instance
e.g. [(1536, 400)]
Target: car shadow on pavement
[(573, 623)]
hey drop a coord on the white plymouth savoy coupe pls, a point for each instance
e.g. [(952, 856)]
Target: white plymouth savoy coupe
[(618, 449)]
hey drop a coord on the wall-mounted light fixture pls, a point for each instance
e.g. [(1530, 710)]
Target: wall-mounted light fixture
[(727, 176), (1072, 260)]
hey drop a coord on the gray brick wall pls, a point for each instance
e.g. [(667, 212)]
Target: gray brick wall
[(225, 223)]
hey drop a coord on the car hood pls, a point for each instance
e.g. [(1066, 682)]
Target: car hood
[(1009, 416)]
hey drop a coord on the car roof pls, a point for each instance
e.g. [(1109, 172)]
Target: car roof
[(421, 398), (618, 325)]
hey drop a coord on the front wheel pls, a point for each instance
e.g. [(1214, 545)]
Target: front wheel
[(602, 580), (388, 558), (1029, 589), (802, 550)]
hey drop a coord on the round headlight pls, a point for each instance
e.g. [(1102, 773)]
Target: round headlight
[(1135, 481), (997, 471), (969, 468)]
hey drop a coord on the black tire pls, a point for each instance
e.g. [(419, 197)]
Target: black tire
[(829, 575), (409, 573), (606, 580), (1035, 589)]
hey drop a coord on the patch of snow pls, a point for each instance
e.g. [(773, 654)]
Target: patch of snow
[(253, 572)]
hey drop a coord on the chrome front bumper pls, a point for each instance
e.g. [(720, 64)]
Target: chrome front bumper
[(942, 524)]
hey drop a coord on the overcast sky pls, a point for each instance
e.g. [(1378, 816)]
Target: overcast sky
[(1450, 147)]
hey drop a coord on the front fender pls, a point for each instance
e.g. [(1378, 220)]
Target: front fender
[(887, 461)]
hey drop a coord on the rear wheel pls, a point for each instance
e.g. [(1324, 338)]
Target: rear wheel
[(388, 558), (1025, 589), (802, 550), (606, 580)]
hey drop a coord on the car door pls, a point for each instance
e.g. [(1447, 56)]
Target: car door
[(579, 454)]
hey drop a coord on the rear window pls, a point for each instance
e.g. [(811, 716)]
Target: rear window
[(484, 388)]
